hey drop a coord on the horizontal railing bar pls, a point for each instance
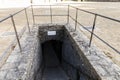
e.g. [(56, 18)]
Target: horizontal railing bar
[(18, 12), (109, 18), (80, 24), (50, 5), (96, 14), (106, 43), (84, 27), (72, 17), (82, 10), (5, 18), (12, 15), (96, 36), (49, 15)]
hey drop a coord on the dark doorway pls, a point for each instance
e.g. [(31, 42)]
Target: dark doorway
[(52, 56), (52, 53)]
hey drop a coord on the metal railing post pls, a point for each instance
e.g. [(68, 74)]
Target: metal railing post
[(33, 15), (93, 30), (27, 20), (68, 15), (76, 18), (13, 22), (51, 14)]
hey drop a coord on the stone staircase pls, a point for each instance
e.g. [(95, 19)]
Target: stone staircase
[(52, 69), (54, 73)]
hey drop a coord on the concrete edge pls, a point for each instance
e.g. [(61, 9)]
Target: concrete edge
[(104, 67)]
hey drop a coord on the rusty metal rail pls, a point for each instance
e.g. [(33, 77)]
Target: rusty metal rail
[(93, 26), (68, 18), (50, 14), (14, 25)]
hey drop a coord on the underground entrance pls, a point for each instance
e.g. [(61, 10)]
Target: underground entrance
[(52, 56), (60, 57), (52, 53), (54, 62)]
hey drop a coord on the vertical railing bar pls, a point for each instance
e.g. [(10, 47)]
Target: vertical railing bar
[(51, 13), (33, 15), (68, 16), (27, 20), (93, 30), (76, 18), (12, 19)]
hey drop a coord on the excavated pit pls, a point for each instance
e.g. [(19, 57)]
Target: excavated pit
[(60, 59), (56, 52)]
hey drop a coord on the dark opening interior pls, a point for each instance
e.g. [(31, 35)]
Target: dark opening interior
[(52, 53), (57, 58), (60, 58), (52, 60)]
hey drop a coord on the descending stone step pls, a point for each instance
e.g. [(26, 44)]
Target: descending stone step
[(50, 57), (52, 70), (55, 73)]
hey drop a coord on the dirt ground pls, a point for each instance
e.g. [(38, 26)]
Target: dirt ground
[(106, 29)]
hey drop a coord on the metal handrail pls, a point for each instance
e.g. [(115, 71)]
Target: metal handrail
[(10, 16), (68, 16), (95, 14), (51, 5), (93, 27), (13, 14), (5, 18), (14, 25), (76, 22), (51, 14), (18, 36)]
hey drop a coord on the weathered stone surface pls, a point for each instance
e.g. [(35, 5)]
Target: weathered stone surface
[(91, 60), (93, 56), (22, 65), (3, 74)]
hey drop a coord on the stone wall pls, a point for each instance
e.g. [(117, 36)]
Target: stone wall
[(72, 62), (90, 61), (43, 32), (74, 56), (23, 65), (94, 60)]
